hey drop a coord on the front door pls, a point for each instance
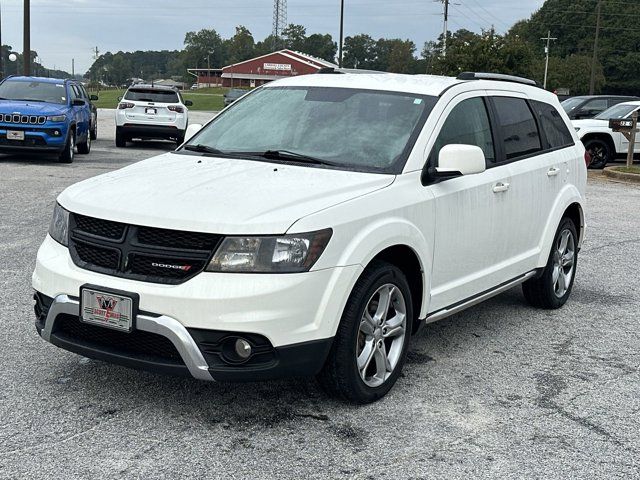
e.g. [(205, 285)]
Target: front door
[(470, 210)]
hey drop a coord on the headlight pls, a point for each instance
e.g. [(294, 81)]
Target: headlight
[(57, 118), (59, 228), (273, 254)]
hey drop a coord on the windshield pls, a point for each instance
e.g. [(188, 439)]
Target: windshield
[(34, 91), (571, 103), (365, 130), (151, 95), (617, 111)]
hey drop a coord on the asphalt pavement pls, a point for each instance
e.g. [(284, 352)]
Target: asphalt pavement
[(499, 391)]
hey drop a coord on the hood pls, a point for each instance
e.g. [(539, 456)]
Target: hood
[(590, 123), (216, 195), (31, 108)]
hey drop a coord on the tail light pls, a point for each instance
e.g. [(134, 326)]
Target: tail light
[(125, 105), (587, 158), (176, 108)]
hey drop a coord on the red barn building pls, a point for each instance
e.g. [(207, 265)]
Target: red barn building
[(260, 70)]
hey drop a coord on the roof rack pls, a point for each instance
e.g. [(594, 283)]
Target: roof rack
[(326, 70), (496, 76)]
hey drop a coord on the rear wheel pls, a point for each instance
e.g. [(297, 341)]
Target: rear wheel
[(180, 139), (552, 289), (600, 152), (121, 140), (69, 149), (371, 344), (94, 131), (85, 147)]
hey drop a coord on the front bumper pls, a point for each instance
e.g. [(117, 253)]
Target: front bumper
[(189, 353), (294, 316), (37, 139)]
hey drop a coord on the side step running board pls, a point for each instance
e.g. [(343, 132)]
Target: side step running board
[(446, 312)]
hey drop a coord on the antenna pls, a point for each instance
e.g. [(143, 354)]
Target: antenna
[(279, 18)]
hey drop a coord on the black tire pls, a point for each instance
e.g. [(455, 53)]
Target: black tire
[(600, 152), (85, 147), (121, 140), (340, 376), (543, 292), (69, 148), (94, 131), (180, 140)]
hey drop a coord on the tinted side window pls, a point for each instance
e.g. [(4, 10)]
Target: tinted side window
[(519, 130), (553, 126), (468, 124), (595, 106)]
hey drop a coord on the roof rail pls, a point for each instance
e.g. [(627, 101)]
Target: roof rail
[(496, 76), (326, 70)]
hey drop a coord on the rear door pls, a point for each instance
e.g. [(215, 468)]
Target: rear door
[(81, 113), (470, 210)]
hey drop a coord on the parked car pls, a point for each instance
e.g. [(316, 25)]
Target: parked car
[(233, 95), (602, 143), (194, 86), (46, 115), (151, 112), (589, 106), (312, 228)]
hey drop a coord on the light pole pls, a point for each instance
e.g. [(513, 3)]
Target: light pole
[(341, 32), (27, 38), (546, 63)]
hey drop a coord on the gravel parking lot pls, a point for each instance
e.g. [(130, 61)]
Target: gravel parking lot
[(501, 390)]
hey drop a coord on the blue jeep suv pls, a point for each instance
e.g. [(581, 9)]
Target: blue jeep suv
[(46, 115)]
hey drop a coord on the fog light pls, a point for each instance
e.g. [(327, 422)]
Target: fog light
[(56, 132), (243, 348)]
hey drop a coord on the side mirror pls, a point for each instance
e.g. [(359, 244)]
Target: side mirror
[(188, 103), (119, 98), (78, 102), (192, 130), (93, 98), (454, 160)]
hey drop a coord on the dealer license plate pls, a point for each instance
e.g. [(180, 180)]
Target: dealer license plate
[(106, 309), (15, 135)]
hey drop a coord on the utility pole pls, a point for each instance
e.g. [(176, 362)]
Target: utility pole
[(546, 51), (594, 60), (444, 33), (341, 32), (26, 55), (1, 50), (73, 68)]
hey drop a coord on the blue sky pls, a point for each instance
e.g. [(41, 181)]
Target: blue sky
[(66, 29)]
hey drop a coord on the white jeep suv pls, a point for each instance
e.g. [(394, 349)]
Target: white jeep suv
[(151, 112), (603, 144), (314, 225)]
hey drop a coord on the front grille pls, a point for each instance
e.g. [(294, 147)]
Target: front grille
[(23, 119), (138, 343), (141, 253)]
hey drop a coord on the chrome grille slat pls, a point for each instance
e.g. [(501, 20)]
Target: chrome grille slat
[(23, 119)]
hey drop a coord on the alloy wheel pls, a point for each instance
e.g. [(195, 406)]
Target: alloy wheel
[(563, 263), (381, 335)]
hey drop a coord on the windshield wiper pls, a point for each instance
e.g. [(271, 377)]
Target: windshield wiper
[(293, 156), (204, 149), (29, 100)]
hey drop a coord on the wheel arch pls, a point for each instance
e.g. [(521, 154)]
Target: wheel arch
[(600, 136), (568, 204)]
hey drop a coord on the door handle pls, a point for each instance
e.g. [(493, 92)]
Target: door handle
[(500, 187), (553, 171)]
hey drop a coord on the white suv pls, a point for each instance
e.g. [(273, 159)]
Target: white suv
[(603, 144), (151, 111), (314, 225)]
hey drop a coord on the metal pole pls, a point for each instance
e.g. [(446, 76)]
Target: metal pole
[(341, 32), (1, 50), (73, 68), (592, 81), (632, 139), (26, 55), (546, 51), (444, 33)]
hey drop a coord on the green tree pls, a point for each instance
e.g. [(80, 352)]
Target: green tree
[(202, 45), (294, 37), (359, 51), (241, 46), (321, 46)]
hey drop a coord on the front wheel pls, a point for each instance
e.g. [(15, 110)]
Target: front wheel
[(600, 152), (69, 149), (371, 344), (552, 289)]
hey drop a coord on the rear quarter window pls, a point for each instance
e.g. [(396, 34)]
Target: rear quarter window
[(553, 125)]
